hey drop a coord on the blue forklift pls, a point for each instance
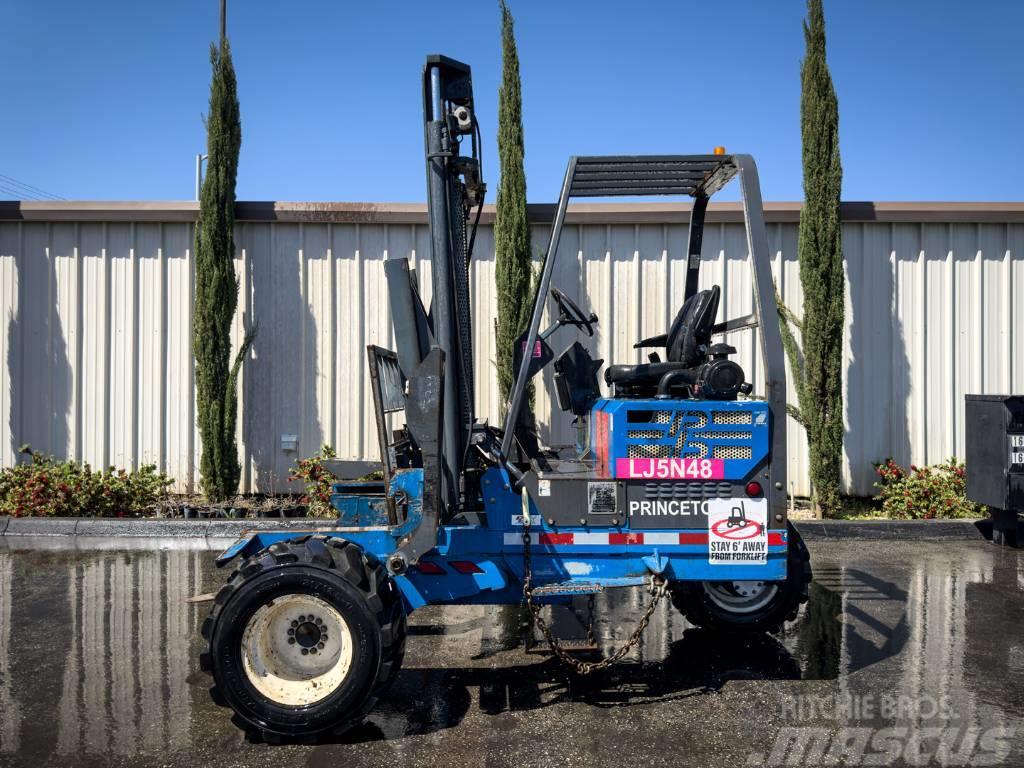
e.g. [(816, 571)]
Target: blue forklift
[(676, 484)]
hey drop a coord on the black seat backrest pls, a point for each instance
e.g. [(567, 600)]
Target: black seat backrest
[(692, 327)]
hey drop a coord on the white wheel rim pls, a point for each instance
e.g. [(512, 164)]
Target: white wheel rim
[(273, 643), (740, 596)]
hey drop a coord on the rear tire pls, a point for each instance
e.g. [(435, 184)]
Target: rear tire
[(736, 606), (304, 638)]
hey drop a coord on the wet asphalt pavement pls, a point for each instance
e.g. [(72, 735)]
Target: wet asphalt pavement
[(907, 654)]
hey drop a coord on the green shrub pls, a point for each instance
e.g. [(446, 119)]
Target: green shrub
[(925, 492), (318, 480), (46, 487)]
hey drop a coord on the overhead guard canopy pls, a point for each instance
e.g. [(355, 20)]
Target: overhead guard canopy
[(629, 175)]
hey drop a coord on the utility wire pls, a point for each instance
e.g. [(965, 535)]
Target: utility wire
[(17, 194), (10, 181)]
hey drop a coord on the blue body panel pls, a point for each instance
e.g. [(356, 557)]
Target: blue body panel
[(483, 564)]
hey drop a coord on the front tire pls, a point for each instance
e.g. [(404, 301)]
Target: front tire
[(304, 639), (748, 606)]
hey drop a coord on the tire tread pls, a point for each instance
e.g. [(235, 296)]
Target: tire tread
[(361, 570)]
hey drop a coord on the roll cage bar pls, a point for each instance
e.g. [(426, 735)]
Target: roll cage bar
[(699, 177)]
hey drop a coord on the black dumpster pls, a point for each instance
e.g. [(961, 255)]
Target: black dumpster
[(995, 460)]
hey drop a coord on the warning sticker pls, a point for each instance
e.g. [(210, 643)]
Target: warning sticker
[(1016, 451), (738, 531)]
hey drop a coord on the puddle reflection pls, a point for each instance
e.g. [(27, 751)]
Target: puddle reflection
[(104, 643), (99, 643)]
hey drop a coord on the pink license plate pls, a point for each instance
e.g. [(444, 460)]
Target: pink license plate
[(670, 469)]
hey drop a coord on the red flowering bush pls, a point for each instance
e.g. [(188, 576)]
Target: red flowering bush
[(925, 492), (318, 480), (46, 487)]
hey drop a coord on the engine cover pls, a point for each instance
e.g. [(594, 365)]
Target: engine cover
[(668, 440)]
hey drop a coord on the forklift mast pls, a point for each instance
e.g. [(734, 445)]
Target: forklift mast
[(454, 189)]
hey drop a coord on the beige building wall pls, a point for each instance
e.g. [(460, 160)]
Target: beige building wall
[(95, 303)]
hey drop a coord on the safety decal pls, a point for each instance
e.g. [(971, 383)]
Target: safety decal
[(738, 531)]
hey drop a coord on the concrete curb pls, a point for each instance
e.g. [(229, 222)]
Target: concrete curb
[(812, 530), (41, 526), (893, 530), (152, 528)]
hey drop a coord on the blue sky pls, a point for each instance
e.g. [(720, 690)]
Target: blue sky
[(104, 99)]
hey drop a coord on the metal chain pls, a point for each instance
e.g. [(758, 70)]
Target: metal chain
[(657, 589), (590, 620)]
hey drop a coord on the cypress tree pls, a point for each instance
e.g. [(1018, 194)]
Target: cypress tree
[(821, 268), (216, 292), (512, 257)]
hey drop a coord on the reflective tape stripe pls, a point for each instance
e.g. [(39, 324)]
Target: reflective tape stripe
[(652, 537), (558, 538), (591, 538), (626, 538), (514, 539), (665, 538), (693, 538)]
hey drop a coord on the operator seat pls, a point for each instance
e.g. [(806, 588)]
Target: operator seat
[(686, 344)]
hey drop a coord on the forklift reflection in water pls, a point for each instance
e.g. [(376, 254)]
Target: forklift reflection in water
[(309, 630)]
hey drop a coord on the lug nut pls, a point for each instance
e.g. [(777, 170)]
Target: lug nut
[(295, 624), (320, 646), (318, 622), (312, 650), (291, 632), (305, 651), (291, 641), (302, 619)]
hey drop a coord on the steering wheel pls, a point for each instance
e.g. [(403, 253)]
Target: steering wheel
[(571, 314)]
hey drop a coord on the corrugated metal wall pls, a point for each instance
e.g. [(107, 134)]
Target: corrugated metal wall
[(95, 329)]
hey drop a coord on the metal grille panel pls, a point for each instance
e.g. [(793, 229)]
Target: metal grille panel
[(717, 435), (732, 452), (732, 417), (649, 451), (658, 434), (691, 490)]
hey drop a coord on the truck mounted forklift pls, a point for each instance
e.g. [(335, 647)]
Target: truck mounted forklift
[(676, 484)]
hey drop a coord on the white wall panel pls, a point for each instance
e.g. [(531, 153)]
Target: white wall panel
[(95, 331)]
